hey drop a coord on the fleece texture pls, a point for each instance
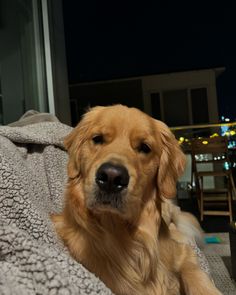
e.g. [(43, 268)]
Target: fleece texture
[(32, 180)]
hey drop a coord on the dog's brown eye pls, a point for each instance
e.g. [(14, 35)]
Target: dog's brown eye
[(144, 148), (98, 139)]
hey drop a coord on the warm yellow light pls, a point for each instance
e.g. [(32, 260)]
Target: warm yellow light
[(181, 139), (232, 132), (205, 142), (214, 135)]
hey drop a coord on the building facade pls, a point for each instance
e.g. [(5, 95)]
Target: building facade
[(179, 98)]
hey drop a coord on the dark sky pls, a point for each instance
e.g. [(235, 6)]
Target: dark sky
[(113, 39)]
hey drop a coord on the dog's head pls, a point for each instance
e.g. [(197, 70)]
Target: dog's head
[(119, 157)]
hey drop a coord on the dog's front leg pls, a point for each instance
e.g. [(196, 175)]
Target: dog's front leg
[(194, 280)]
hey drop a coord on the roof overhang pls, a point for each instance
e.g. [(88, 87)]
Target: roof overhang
[(219, 71)]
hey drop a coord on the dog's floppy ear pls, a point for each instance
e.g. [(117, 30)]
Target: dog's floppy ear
[(74, 141), (172, 162)]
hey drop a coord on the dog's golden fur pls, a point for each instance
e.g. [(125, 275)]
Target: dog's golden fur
[(132, 247)]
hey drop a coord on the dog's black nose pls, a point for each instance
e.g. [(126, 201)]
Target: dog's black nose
[(112, 178)]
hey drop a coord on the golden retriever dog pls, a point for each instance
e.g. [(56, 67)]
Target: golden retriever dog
[(122, 167)]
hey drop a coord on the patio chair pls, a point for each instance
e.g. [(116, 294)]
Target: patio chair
[(213, 177)]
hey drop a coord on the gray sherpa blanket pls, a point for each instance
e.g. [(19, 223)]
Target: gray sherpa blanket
[(32, 178)]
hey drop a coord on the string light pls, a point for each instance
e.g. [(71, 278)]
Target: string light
[(214, 135)]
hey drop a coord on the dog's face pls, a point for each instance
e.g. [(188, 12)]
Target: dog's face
[(121, 157)]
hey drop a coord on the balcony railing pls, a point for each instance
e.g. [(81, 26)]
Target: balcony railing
[(185, 134)]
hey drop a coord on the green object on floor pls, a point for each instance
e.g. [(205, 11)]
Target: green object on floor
[(212, 240)]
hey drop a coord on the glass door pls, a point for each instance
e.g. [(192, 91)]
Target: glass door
[(22, 59)]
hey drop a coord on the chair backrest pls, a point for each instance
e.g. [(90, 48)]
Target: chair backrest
[(214, 145), (209, 150)]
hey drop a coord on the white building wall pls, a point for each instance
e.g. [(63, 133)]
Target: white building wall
[(183, 80)]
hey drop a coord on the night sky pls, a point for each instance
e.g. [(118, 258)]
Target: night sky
[(115, 39)]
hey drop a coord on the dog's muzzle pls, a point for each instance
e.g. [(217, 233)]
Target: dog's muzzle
[(112, 178)]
